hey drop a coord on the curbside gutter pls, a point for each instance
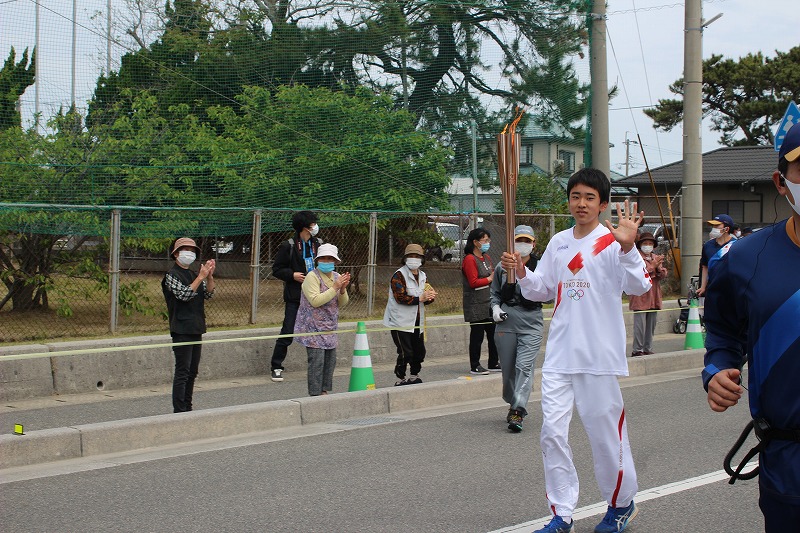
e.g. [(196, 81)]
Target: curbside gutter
[(118, 436)]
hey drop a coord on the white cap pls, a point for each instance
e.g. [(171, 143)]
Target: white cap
[(328, 250)]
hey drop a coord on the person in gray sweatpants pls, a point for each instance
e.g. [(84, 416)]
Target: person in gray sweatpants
[(518, 333)]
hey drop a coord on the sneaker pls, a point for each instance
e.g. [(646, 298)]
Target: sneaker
[(617, 519), (277, 374), (401, 383), (508, 416), (637, 353), (515, 421), (556, 525), (413, 380), (495, 368), (479, 371)]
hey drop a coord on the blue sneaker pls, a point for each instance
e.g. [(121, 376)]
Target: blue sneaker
[(617, 519), (556, 525)]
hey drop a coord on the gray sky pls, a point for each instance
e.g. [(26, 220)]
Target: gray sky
[(648, 45), (645, 55)]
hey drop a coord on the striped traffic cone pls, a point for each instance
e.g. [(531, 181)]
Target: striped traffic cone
[(694, 335), (361, 376)]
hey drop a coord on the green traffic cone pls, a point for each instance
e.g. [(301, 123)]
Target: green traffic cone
[(694, 334), (361, 376)]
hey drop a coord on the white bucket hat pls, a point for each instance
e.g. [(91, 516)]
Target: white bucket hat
[(328, 250)]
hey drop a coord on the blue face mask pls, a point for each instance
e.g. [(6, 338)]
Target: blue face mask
[(325, 268), (485, 247)]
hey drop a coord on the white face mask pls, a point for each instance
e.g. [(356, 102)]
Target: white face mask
[(647, 248), (314, 230), (413, 263), (186, 258), (794, 188), (523, 248), (715, 233)]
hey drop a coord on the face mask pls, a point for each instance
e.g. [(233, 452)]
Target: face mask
[(186, 258), (485, 247), (314, 230), (647, 249), (794, 188), (737, 234), (413, 263), (715, 233), (326, 268), (523, 248)]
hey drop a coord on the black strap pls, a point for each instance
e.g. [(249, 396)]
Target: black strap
[(726, 463), (765, 433)]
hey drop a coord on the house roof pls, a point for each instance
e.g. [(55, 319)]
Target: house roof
[(729, 164), (463, 186), (555, 132)]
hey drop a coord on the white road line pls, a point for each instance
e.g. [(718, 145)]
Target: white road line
[(641, 496)]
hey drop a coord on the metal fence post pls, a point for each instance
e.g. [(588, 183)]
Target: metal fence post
[(373, 245), (113, 269), (255, 265), (552, 225)]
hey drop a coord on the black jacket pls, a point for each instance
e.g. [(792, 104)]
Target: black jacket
[(288, 260), (185, 318)]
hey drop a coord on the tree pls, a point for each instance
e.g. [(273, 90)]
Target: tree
[(745, 99), (279, 150), (320, 149), (429, 56), (15, 78)]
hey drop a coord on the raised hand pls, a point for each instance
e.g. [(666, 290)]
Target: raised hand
[(207, 269), (627, 226), (342, 282)]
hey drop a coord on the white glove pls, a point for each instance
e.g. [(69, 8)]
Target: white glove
[(498, 315)]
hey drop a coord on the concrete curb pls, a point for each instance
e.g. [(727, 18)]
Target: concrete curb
[(138, 433), (132, 362)]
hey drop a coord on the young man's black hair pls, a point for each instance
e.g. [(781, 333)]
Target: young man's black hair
[(591, 177), (303, 219)]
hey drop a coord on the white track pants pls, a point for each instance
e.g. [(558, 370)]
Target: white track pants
[(599, 403)]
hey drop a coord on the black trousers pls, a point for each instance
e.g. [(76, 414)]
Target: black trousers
[(476, 332), (282, 344), (187, 361), (410, 351)]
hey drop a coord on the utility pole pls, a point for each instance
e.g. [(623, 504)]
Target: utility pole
[(74, 49), (628, 144), (601, 159), (692, 199), (474, 131)]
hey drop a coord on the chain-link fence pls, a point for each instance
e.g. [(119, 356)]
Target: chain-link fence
[(64, 285)]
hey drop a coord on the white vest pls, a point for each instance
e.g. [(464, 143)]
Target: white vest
[(403, 317)]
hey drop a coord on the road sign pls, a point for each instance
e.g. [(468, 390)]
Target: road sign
[(790, 118)]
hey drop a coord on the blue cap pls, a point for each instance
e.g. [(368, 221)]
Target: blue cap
[(524, 231), (725, 220), (790, 149)]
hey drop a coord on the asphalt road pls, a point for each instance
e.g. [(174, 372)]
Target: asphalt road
[(452, 469)]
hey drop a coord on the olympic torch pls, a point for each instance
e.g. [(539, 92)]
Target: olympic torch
[(508, 150)]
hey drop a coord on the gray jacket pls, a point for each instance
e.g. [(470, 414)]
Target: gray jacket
[(524, 316)]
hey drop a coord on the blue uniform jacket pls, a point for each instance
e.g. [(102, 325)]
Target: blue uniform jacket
[(752, 310)]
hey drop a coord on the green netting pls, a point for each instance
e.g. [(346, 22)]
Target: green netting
[(231, 107)]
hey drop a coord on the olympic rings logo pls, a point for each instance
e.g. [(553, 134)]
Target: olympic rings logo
[(575, 294)]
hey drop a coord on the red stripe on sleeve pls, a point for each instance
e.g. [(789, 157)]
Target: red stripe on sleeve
[(602, 243)]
